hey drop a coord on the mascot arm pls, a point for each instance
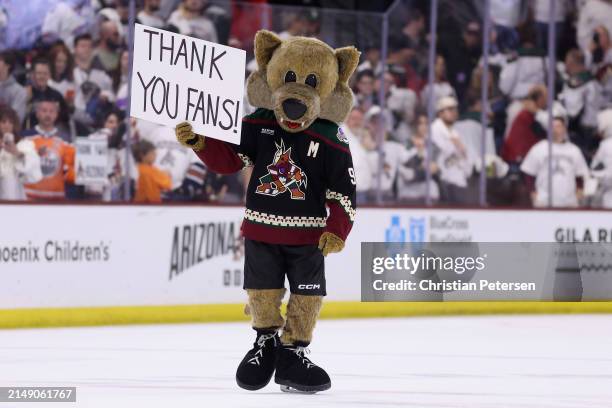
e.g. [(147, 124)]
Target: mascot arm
[(340, 193), (219, 156)]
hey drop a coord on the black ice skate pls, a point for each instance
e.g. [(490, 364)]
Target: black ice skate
[(296, 373), (257, 366)]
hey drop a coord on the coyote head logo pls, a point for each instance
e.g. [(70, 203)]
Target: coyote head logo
[(283, 175)]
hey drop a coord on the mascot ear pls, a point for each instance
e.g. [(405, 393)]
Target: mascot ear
[(337, 105), (348, 58), (258, 90), (266, 43)]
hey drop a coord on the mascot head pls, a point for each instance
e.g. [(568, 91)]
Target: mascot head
[(301, 79)]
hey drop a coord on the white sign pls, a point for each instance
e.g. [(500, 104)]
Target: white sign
[(177, 78), (91, 162)]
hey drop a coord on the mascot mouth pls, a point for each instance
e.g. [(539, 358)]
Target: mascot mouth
[(292, 125)]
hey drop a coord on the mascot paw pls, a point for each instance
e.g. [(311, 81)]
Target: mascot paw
[(330, 243), (186, 137)]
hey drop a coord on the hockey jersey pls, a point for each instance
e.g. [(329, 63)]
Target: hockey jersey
[(57, 166), (295, 175)]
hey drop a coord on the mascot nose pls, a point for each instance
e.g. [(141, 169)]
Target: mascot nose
[(293, 108)]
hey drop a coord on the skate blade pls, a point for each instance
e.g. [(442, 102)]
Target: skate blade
[(291, 390)]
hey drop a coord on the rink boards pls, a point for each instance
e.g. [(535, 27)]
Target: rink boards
[(99, 264)]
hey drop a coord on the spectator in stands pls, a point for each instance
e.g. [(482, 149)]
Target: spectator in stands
[(189, 19), (371, 60), (506, 16), (106, 54), (599, 53), (364, 90), (441, 87), (172, 158), (469, 128), (117, 12), (120, 80), (40, 90), (364, 173), (148, 15), (56, 156), (66, 20), (461, 55), (601, 166), (582, 97), (414, 32), (11, 92), (151, 180), (401, 61), (217, 188), (194, 187), (62, 72), (453, 159), (401, 103), (295, 23), (412, 174), (569, 168), (19, 161), (593, 13), (111, 131), (525, 131), (527, 68), (541, 11), (93, 86), (391, 153)]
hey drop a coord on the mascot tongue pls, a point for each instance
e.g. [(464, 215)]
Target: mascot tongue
[(291, 125)]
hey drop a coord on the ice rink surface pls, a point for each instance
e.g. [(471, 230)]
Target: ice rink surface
[(475, 362)]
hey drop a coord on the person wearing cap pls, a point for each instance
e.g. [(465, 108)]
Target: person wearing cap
[(454, 159), (601, 165), (107, 52), (569, 168)]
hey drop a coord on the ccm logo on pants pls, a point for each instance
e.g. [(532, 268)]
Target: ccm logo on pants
[(309, 286)]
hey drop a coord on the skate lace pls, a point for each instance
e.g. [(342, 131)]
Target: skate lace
[(301, 353), (261, 343)]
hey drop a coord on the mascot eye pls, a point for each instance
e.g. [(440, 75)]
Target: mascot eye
[(290, 77), (311, 80)]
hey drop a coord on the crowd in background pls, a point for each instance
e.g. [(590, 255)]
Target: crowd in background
[(71, 84)]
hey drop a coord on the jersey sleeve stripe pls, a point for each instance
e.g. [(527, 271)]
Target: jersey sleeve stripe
[(344, 201)]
